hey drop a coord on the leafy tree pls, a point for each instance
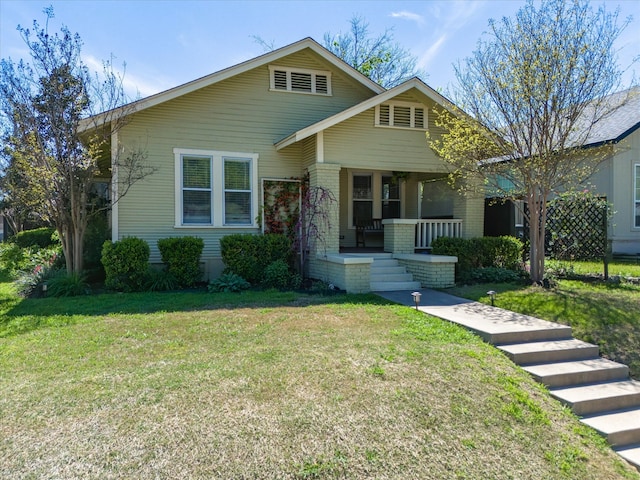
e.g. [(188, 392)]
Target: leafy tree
[(533, 92), (54, 143), (379, 58)]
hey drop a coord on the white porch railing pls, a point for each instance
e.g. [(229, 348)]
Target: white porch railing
[(427, 230)]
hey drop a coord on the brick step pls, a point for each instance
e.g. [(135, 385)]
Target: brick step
[(600, 397), (562, 350), (620, 428), (562, 374)]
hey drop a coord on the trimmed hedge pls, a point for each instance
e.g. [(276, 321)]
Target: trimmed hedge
[(126, 263), (249, 255), (483, 252), (38, 237), (181, 255)]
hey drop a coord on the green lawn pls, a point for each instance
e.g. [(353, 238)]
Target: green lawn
[(270, 385)]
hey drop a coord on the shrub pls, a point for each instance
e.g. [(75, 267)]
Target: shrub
[(249, 255), (457, 247), (125, 263), (30, 283), (181, 255), (279, 275), (38, 237), (503, 252), (228, 282), (484, 252), (13, 257), (63, 284), (96, 234), (160, 281)]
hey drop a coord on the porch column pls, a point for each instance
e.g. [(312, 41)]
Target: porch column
[(470, 208), (327, 175), (399, 235)]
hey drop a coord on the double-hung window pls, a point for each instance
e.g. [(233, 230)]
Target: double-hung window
[(196, 189), (215, 188)]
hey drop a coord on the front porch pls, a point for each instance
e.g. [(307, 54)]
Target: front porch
[(400, 216), (402, 264)]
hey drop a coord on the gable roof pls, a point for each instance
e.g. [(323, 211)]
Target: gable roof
[(229, 72), (623, 120), (361, 107)]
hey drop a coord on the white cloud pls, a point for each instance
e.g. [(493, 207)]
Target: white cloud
[(425, 59), (419, 19)]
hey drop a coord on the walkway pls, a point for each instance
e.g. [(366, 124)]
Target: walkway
[(597, 389)]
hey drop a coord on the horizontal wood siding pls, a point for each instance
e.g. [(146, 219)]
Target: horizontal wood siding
[(239, 114), (357, 143)]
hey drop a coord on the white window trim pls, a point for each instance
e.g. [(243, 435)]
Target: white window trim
[(376, 191), (217, 195), (412, 106), (636, 201), (289, 70)]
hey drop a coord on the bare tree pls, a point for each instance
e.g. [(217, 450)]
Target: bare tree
[(51, 105), (534, 92), (380, 58)]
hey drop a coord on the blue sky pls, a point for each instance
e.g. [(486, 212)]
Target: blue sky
[(167, 43)]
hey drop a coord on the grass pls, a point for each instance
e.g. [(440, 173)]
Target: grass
[(271, 385), (604, 313)]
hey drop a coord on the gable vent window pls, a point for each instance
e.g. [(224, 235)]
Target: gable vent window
[(401, 115), (280, 80), (300, 80)]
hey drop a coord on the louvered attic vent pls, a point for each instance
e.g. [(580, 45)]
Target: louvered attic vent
[(401, 115), (300, 81)]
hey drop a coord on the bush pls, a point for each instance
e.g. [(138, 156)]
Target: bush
[(228, 282), (30, 283), (279, 275), (498, 252), (125, 263), (13, 258), (249, 255), (38, 237), (96, 234), (160, 281), (63, 284), (181, 255)]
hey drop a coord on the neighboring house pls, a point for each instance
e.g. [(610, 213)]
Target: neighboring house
[(297, 109), (617, 178)]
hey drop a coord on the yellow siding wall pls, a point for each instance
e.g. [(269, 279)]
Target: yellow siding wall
[(357, 143), (239, 114)]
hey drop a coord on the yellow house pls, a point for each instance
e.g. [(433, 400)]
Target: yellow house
[(294, 111)]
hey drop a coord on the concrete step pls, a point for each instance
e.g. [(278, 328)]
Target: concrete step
[(395, 277), (631, 454), (600, 397), (376, 270), (384, 262), (393, 286), (562, 374), (563, 350), (620, 428)]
